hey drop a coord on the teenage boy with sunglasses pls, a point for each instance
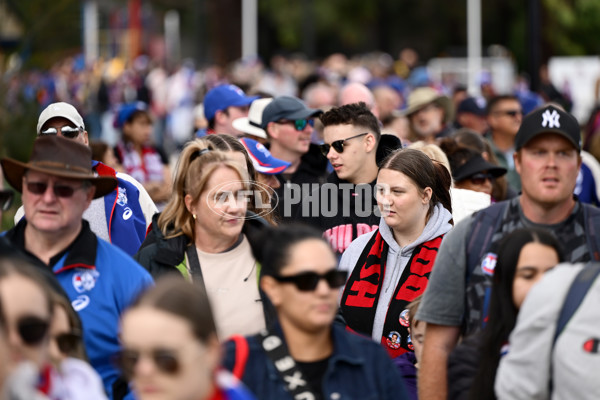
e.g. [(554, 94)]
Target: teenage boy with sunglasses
[(122, 216), (504, 115), (547, 156), (101, 281), (289, 126), (346, 206)]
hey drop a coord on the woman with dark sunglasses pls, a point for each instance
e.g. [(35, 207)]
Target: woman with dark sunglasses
[(469, 169), (170, 348), (390, 266), (304, 355), (27, 310)]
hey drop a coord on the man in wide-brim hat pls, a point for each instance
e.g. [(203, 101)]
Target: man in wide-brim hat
[(429, 114), (57, 186)]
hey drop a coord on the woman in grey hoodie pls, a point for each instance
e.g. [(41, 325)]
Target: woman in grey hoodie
[(390, 266)]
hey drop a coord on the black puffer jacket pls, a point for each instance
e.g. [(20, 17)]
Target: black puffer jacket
[(160, 256)]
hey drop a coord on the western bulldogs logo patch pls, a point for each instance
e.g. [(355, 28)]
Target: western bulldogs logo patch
[(84, 281), (489, 263), (122, 197)]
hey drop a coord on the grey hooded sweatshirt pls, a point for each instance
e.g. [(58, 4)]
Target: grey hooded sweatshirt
[(398, 257)]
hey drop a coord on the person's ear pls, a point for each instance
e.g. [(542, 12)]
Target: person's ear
[(220, 117), (90, 195), (427, 194), (86, 140), (370, 142), (214, 353), (517, 160), (188, 203), (272, 289), (273, 130)]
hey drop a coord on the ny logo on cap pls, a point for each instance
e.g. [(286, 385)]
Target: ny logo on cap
[(551, 119)]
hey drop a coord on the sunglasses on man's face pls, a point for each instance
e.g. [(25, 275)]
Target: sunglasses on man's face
[(164, 359), (6, 199), (510, 113), (480, 178), (338, 145), (32, 329), (39, 188), (66, 131), (299, 124), (308, 281)]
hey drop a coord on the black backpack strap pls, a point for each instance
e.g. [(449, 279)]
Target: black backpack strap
[(486, 222), (276, 349), (592, 229), (194, 267)]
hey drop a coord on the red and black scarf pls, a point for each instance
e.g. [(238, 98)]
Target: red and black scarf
[(361, 294)]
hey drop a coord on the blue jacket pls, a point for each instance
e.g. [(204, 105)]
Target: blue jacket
[(101, 281), (358, 369), (124, 215)]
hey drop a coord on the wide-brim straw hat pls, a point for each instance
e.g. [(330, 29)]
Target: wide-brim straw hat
[(423, 96), (58, 156)]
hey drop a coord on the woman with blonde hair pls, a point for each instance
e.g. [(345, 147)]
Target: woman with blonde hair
[(202, 235)]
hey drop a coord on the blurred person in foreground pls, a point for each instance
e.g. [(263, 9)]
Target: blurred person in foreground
[(57, 185), (306, 355), (28, 308), (171, 351)]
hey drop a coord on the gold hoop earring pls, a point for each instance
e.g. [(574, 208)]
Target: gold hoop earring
[(194, 216)]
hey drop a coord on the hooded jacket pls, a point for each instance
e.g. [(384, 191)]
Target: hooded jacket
[(397, 259)]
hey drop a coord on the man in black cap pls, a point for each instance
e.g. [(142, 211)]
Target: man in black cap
[(289, 125), (547, 158)]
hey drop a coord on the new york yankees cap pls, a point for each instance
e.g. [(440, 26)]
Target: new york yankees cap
[(549, 119)]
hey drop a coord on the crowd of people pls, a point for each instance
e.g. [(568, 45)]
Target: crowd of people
[(326, 242)]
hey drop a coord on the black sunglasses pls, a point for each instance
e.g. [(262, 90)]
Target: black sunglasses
[(67, 131), (6, 199), (32, 330), (337, 145), (67, 342), (165, 360), (64, 191), (308, 281), (510, 113), (480, 178), (299, 124)]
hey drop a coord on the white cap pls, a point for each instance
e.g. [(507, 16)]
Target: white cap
[(251, 123), (60, 110)]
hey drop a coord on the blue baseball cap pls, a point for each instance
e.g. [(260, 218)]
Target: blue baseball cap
[(224, 96), (262, 159), (126, 111)]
